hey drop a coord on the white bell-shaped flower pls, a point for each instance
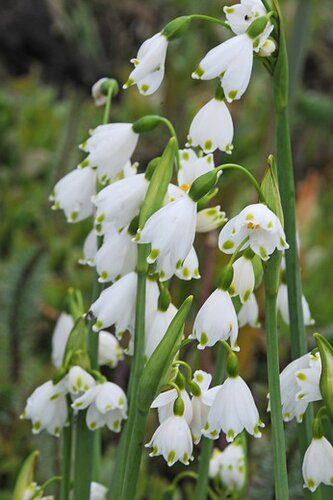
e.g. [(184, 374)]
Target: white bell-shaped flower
[(171, 232), (97, 491), (231, 61), (215, 463), (89, 249), (99, 98), (212, 128), (216, 320), (156, 327), (107, 405), (79, 380), (201, 403), (109, 148), (173, 440), (308, 380), (318, 464), (60, 335), (262, 228), (116, 305), (149, 65), (243, 279), (120, 202), (209, 219), (47, 408), (241, 16), (192, 166), (190, 267), (116, 257), (164, 403), (73, 194), (232, 411), (293, 406), (249, 313), (109, 350), (283, 307), (233, 466)]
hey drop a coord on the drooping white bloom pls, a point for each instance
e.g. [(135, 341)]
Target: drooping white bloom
[(109, 350), (262, 228), (192, 166), (120, 202), (107, 405), (99, 98), (267, 48), (242, 15), (249, 313), (109, 148), (215, 463), (209, 219), (293, 406), (243, 279), (79, 380), (212, 128), (231, 61), (202, 403), (173, 440), (171, 232), (156, 327), (116, 257), (149, 65), (190, 267), (216, 320), (164, 403), (47, 408), (89, 249), (233, 410), (283, 307), (116, 305), (73, 194), (318, 464), (233, 467), (308, 380), (97, 491), (60, 336)]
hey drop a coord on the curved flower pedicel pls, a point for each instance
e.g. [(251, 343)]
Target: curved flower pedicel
[(260, 226)]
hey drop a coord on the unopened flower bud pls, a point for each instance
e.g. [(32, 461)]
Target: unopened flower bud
[(326, 378), (268, 48)]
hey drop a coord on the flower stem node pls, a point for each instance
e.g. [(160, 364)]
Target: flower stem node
[(258, 26), (109, 85), (202, 185), (179, 407), (232, 365), (146, 124), (176, 28)]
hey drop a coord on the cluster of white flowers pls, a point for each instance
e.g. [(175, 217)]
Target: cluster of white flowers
[(229, 466)]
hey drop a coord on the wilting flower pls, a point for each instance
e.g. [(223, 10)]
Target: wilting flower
[(243, 279), (260, 226), (116, 257), (99, 98), (173, 440), (233, 410), (89, 249), (109, 350), (47, 408), (107, 405), (170, 247), (157, 324), (116, 305), (60, 336), (249, 313), (231, 61), (192, 166), (189, 269), (149, 65), (318, 463), (97, 491), (209, 219), (212, 128), (164, 403), (73, 194), (233, 467), (283, 307), (216, 320), (201, 403), (79, 380), (120, 202)]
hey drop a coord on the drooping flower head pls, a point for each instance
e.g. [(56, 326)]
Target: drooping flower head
[(318, 464)]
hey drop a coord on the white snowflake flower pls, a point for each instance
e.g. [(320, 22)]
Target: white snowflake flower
[(164, 403), (79, 381), (201, 403), (190, 267), (99, 98), (283, 307), (156, 326), (192, 166), (249, 313), (209, 219), (60, 335), (243, 279), (318, 464), (233, 466), (89, 249), (109, 350)]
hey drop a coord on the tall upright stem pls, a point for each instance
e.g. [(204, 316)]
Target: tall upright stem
[(271, 279), (83, 462), (207, 444), (66, 462)]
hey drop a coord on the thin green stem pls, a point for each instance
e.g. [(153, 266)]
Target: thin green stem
[(44, 486), (83, 462), (207, 444), (215, 20), (185, 365), (173, 133), (271, 280), (107, 108), (66, 461), (247, 173)]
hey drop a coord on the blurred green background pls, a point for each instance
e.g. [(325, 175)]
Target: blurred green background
[(51, 52)]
